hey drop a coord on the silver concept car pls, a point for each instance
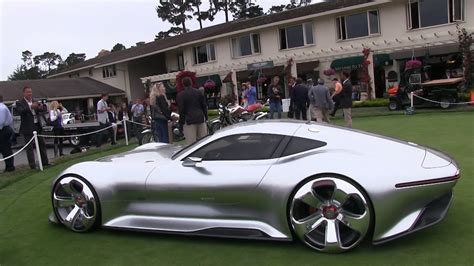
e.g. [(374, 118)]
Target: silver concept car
[(328, 186)]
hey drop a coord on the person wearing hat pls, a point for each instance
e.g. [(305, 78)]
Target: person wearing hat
[(321, 102)]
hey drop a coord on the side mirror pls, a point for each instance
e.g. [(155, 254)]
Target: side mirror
[(191, 161)]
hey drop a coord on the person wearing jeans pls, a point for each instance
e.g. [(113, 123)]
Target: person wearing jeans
[(274, 94), (160, 112)]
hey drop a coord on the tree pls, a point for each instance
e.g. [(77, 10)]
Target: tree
[(293, 4), (118, 47), (202, 15), (24, 73), (220, 5), (175, 12), (173, 31), (245, 9), (74, 58), (47, 61)]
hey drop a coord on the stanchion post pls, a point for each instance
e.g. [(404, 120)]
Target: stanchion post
[(411, 99), (125, 130), (38, 153)]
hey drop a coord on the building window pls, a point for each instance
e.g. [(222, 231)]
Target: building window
[(109, 71), (204, 53), (246, 45), (90, 72), (296, 36), (358, 25), (180, 61), (423, 13)]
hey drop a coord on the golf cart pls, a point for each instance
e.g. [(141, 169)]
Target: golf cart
[(442, 91)]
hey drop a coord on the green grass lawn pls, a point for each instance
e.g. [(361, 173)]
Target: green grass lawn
[(26, 237)]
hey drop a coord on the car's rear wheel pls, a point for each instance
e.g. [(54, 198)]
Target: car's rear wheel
[(330, 214), (75, 204)]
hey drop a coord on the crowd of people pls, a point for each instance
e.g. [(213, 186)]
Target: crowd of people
[(156, 111), (317, 98)]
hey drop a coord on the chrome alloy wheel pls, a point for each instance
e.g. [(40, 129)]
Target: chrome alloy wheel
[(74, 204), (330, 215)]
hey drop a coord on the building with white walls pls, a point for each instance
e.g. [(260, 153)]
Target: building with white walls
[(301, 42)]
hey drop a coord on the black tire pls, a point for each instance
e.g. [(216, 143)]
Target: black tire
[(147, 138), (446, 102), (74, 141), (215, 127), (393, 105)]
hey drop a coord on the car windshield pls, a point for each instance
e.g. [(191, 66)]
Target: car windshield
[(189, 147)]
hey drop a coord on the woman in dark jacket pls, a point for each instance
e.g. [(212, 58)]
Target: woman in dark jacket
[(161, 113)]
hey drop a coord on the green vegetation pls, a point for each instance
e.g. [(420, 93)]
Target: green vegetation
[(26, 237)]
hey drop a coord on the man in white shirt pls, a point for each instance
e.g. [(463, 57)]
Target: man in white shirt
[(103, 119), (137, 116), (6, 135)]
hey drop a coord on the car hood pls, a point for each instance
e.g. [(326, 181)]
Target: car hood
[(147, 153)]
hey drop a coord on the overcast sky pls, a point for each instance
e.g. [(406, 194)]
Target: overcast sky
[(79, 26)]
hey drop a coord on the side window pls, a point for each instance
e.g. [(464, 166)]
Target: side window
[(297, 145), (240, 147)]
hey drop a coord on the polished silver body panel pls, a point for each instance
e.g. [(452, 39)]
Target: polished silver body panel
[(148, 189)]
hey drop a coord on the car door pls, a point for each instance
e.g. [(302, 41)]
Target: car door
[(226, 171)]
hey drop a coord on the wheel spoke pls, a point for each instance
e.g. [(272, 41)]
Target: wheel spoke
[(62, 202), (72, 216), (86, 220), (340, 196), (310, 199), (68, 188), (356, 222), (332, 237), (308, 224)]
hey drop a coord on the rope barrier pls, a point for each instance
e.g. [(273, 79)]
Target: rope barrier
[(81, 135), (20, 150), (133, 122), (428, 100)]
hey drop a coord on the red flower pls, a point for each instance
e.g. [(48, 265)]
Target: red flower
[(179, 80), (412, 64)]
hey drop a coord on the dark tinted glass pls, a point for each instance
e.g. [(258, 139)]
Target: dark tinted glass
[(256, 43), (357, 25), (283, 39), (433, 12), (240, 147), (245, 46), (201, 54), (415, 20), (297, 145), (295, 36), (374, 22), (308, 30)]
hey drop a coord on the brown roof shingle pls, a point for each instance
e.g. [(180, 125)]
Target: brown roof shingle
[(56, 88), (217, 30)]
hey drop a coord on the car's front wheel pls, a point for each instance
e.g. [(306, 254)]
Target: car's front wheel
[(75, 204), (330, 214)]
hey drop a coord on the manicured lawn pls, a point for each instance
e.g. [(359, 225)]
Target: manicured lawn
[(26, 237)]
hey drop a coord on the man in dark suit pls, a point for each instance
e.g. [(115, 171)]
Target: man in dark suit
[(346, 98), (300, 100), (30, 113)]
